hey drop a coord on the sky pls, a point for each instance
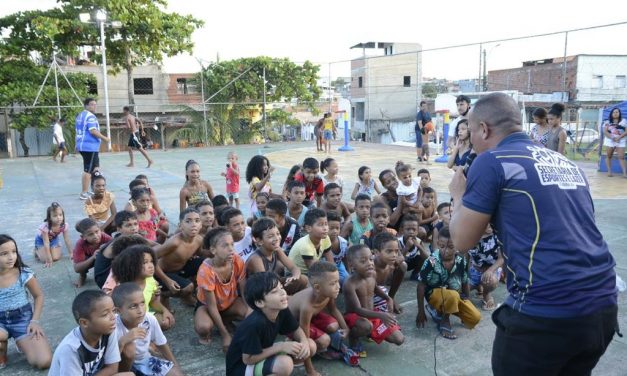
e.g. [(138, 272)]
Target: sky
[(323, 31)]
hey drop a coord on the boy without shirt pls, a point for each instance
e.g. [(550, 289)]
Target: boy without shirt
[(296, 196), (289, 228), (359, 290), (444, 217), (380, 217), (410, 244), (179, 259), (316, 311), (429, 214), (233, 220), (386, 254), (268, 257), (333, 201), (315, 244)]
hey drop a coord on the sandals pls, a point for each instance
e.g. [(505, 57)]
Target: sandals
[(435, 315), (447, 331)]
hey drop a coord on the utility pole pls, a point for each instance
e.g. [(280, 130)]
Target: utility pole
[(479, 86), (567, 98), (265, 132), (485, 73)]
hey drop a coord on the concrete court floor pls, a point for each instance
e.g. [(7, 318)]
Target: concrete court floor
[(31, 184)]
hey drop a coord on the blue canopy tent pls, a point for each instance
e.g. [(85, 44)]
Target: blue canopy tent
[(605, 114)]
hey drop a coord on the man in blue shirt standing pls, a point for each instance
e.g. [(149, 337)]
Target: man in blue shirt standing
[(88, 138), (561, 312)]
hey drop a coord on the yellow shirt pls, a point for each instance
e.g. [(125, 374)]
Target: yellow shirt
[(327, 125), (304, 247)]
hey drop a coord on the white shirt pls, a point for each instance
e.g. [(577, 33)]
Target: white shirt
[(74, 356), (245, 247), (153, 334), (57, 132), (411, 192)]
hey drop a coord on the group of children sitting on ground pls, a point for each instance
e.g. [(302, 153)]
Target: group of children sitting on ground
[(278, 272)]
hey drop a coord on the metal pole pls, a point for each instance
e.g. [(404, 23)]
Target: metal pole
[(56, 83), (330, 94), (564, 69), (485, 76), (264, 104), (204, 105), (479, 86), (104, 80)]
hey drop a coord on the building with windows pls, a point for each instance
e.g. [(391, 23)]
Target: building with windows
[(588, 79), (385, 87)]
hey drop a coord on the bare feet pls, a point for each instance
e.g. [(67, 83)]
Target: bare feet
[(149, 163), (130, 165), (204, 341), (188, 300), (81, 281), (397, 308)]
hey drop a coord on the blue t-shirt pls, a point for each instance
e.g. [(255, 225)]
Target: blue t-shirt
[(424, 116), (558, 264), (85, 141)]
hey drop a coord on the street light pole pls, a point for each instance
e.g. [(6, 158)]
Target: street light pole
[(104, 75)]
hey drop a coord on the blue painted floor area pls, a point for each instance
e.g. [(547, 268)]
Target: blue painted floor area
[(31, 184)]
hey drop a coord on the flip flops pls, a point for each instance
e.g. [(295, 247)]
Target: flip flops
[(446, 332), (435, 315)]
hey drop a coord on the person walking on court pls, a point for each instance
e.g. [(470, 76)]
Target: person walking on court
[(134, 125)]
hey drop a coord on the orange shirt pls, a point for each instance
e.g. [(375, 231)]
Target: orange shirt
[(225, 293)]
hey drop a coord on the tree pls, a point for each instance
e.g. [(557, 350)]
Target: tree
[(240, 83), (146, 36), (20, 80)]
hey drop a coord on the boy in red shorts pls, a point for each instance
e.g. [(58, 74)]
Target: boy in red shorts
[(359, 291), (317, 314)]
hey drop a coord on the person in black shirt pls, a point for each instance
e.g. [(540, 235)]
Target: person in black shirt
[(252, 350)]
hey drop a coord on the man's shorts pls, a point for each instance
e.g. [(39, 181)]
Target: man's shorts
[(474, 275), (133, 141), (186, 275), (15, 322), (233, 195), (62, 146), (379, 331), (328, 135), (91, 162), (418, 140)]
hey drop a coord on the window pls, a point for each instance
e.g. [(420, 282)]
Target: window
[(92, 87), (407, 81), (597, 82), (361, 82), (142, 86), (620, 82), (183, 86)]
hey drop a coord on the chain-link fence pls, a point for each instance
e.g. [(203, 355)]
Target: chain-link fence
[(374, 93)]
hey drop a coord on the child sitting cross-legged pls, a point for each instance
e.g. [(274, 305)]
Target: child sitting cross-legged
[(269, 257), (443, 280), (359, 291), (253, 350), (218, 280), (136, 329), (318, 315)]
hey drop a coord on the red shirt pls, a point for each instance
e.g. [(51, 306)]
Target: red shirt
[(312, 188), (232, 180), (83, 250)]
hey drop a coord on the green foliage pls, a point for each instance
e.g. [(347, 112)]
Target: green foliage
[(285, 81), (19, 83)]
